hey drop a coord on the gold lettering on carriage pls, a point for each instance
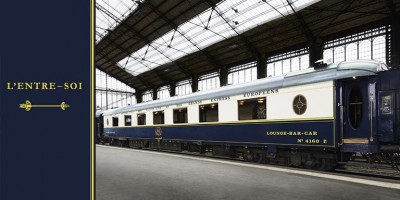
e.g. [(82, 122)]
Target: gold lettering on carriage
[(258, 93), (292, 133), (195, 102), (220, 99)]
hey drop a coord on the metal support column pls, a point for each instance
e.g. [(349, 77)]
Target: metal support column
[(223, 76), (316, 48), (139, 96), (155, 94), (261, 66), (172, 87), (195, 83), (106, 92)]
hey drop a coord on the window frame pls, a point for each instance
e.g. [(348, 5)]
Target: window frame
[(144, 117), (255, 102), (173, 115), (115, 121), (130, 122), (163, 117), (202, 108)]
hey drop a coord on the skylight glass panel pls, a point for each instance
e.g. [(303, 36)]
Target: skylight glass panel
[(229, 4), (109, 13), (228, 19), (193, 31), (140, 70), (135, 65), (153, 53), (300, 4), (183, 47), (198, 21), (177, 55), (187, 47), (166, 38), (206, 39)]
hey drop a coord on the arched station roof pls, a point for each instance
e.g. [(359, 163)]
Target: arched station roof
[(155, 43)]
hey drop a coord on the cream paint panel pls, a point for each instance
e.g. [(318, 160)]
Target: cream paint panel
[(134, 119), (121, 120), (149, 118), (319, 103), (227, 111), (193, 114), (168, 114), (279, 105)]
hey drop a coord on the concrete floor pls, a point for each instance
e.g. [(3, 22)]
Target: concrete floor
[(130, 174)]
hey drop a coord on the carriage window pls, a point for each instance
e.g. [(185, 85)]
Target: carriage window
[(208, 113), (180, 115), (355, 107), (128, 120), (252, 108), (115, 121), (141, 119), (158, 117)]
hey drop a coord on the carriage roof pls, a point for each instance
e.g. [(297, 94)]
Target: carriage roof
[(334, 71)]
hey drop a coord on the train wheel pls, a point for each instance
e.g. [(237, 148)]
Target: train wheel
[(254, 157), (320, 164), (247, 157), (315, 164), (261, 158), (325, 164)]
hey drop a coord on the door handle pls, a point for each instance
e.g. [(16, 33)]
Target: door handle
[(342, 123), (371, 106)]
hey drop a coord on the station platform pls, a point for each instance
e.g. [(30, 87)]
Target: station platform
[(138, 174)]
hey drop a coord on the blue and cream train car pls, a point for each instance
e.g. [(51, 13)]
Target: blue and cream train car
[(313, 117)]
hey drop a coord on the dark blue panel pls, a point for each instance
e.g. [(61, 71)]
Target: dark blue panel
[(363, 148), (315, 133), (397, 111), (386, 116), (390, 80), (44, 153), (363, 129)]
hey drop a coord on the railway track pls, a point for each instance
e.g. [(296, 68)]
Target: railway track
[(356, 167), (364, 168)]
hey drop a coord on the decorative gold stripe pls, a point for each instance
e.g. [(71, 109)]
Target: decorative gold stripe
[(234, 122), (225, 141), (355, 141), (92, 104)]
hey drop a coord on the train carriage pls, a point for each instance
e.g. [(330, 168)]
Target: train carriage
[(315, 117)]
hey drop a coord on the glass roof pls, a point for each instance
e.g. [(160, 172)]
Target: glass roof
[(109, 13), (228, 19)]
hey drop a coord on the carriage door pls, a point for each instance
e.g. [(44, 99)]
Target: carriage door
[(355, 116)]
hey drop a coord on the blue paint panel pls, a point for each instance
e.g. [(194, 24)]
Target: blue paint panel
[(390, 79), (316, 133), (363, 129), (386, 115), (363, 148)]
